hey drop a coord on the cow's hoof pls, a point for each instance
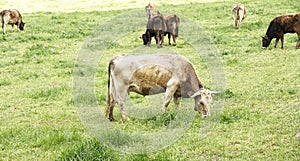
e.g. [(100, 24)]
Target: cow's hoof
[(174, 44), (125, 118), (111, 119)]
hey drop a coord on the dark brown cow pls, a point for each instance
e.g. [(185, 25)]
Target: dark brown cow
[(12, 17), (156, 27), (280, 26)]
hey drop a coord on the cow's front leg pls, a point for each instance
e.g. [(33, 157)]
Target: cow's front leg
[(276, 42), (12, 27), (298, 43), (282, 41), (4, 28), (172, 86), (176, 100), (162, 38)]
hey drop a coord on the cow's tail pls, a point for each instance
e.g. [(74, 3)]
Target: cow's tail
[(110, 91), (177, 25), (108, 95)]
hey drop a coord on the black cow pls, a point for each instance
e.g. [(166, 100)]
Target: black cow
[(280, 26)]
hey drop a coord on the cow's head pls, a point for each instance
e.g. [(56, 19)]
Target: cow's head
[(22, 24), (265, 41), (203, 99), (144, 38)]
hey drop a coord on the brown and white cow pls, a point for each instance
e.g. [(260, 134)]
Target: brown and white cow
[(281, 25), (153, 74), (12, 17), (239, 14)]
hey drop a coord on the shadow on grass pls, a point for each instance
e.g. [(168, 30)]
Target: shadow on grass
[(88, 150), (95, 150)]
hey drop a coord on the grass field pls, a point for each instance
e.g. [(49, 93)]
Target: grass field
[(39, 119)]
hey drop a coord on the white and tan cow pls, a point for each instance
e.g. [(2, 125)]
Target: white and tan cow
[(238, 14), (153, 74)]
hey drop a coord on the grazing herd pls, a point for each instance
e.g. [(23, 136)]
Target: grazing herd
[(173, 75), (159, 26)]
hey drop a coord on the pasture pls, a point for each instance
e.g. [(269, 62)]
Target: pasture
[(39, 119)]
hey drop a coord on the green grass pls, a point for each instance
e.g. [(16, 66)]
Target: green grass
[(261, 116)]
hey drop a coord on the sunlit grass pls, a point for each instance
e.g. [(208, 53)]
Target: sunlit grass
[(38, 117)]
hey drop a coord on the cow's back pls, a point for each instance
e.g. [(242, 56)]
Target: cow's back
[(157, 23), (11, 16), (171, 62), (286, 23)]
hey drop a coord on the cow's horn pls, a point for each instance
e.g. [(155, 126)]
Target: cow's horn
[(215, 92), (195, 94)]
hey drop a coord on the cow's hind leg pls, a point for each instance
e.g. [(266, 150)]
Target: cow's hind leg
[(169, 37), (282, 42), (110, 110), (298, 43), (276, 42), (174, 39), (122, 93)]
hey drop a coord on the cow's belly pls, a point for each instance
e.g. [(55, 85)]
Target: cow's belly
[(149, 80)]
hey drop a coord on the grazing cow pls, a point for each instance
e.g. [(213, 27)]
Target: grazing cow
[(153, 74), (156, 27), (151, 11), (12, 17), (238, 13), (280, 26), (172, 23)]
